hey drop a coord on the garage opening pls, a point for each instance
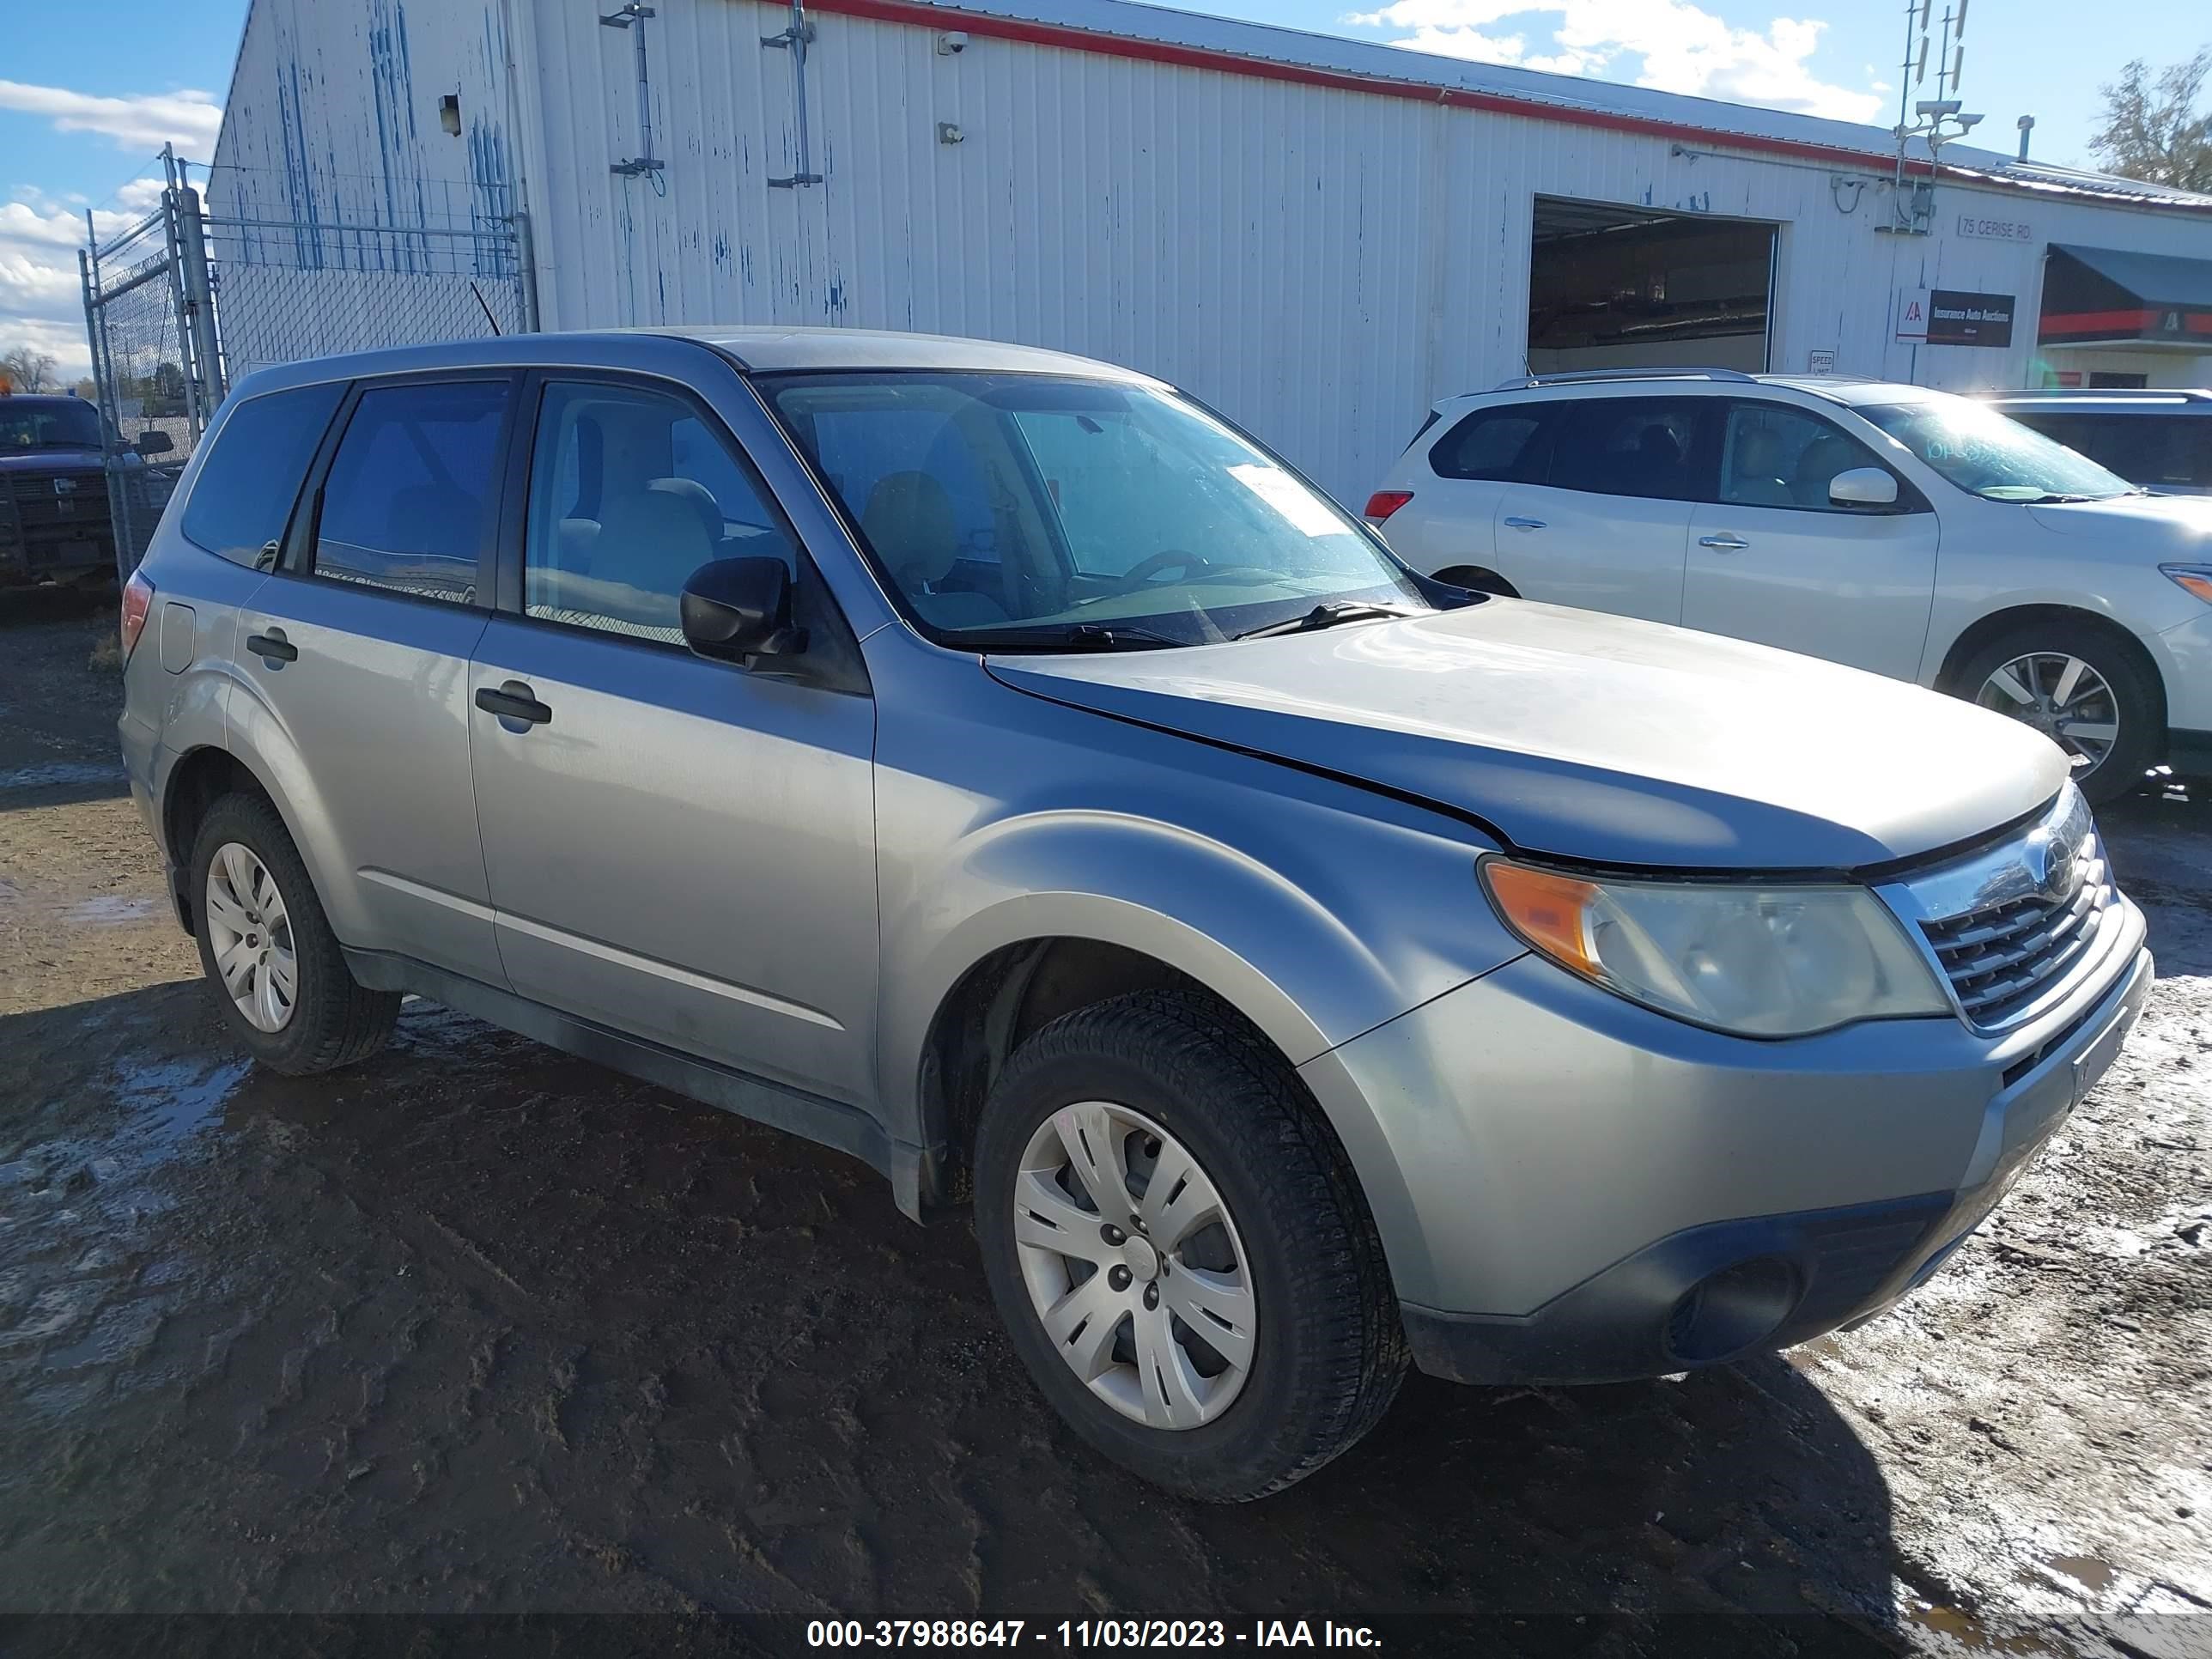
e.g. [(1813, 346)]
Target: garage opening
[(1613, 286)]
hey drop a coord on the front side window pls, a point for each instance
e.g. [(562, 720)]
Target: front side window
[(1117, 515), (1773, 455), (1646, 446), (1992, 455), (407, 499), (251, 475), (630, 493)]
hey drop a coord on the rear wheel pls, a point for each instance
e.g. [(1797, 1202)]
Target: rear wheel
[(269, 951), (2082, 688), (1180, 1252)]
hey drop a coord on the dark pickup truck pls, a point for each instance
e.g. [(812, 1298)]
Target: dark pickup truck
[(54, 516)]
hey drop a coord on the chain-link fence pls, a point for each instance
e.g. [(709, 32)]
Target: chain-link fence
[(182, 304), (156, 371), (350, 271)]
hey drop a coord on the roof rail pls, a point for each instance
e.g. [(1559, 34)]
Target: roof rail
[(1570, 376), (2115, 394)]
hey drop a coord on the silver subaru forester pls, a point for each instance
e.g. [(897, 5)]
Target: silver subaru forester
[(992, 764)]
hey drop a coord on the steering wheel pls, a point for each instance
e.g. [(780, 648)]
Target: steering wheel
[(1167, 558)]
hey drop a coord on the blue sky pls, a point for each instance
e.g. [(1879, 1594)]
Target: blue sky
[(88, 92)]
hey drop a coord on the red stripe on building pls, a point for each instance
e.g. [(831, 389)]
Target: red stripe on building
[(1264, 68), (2096, 322)]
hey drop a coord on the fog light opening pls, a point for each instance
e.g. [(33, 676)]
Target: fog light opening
[(1725, 1312)]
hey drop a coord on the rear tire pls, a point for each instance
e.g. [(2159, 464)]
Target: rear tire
[(323, 1019), (1319, 1337), (2081, 686)]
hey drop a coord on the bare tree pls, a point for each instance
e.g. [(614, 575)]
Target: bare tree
[(27, 370), (2152, 129)]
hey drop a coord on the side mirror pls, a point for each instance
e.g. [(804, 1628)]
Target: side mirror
[(736, 609), (1862, 486), (155, 443)]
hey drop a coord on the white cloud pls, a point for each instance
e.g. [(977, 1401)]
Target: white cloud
[(1674, 46), (41, 293), (188, 118)]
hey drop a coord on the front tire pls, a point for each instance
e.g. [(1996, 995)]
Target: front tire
[(1179, 1250), (2082, 688), (268, 950)]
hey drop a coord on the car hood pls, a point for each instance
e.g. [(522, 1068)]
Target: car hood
[(2130, 524), (1593, 738), (49, 460)]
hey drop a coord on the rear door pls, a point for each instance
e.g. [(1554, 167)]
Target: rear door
[(1451, 520), (678, 850), (355, 661), (1772, 559), (1608, 527)]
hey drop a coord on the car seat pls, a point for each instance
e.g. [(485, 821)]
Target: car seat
[(909, 522), (1755, 470)]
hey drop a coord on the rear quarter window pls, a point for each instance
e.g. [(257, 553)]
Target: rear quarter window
[(2157, 450), (1506, 444), (246, 486)]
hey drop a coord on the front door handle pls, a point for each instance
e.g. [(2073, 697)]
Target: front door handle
[(272, 647), (514, 701), (1526, 523), (1724, 543)]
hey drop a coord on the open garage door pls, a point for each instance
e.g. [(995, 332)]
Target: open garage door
[(1613, 286)]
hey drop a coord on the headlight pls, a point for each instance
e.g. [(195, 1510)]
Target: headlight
[(2195, 579), (1765, 961)]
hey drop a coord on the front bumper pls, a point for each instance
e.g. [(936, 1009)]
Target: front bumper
[(2188, 673), (1580, 1190)]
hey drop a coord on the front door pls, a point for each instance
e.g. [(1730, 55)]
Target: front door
[(1606, 528), (677, 848), (1774, 560), (356, 653)]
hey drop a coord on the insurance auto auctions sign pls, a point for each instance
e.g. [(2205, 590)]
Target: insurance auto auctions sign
[(1948, 316)]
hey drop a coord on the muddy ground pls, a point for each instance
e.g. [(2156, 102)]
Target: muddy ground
[(478, 1327)]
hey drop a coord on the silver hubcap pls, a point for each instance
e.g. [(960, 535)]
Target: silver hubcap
[(1134, 1266), (2064, 698), (251, 936)]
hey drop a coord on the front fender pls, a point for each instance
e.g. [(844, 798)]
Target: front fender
[(1316, 910)]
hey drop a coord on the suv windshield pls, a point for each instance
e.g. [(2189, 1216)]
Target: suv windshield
[(1033, 511), (59, 423), (1992, 455)]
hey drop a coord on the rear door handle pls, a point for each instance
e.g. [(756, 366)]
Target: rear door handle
[(1526, 523), (514, 701), (1725, 544), (272, 647)]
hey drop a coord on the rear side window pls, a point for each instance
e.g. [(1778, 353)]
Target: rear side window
[(406, 502), (1656, 447), (2160, 451), (1507, 445), (252, 476)]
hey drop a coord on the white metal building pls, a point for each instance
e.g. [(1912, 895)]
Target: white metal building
[(1317, 236)]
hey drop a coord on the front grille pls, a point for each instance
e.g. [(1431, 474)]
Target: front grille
[(38, 509), (2004, 956)]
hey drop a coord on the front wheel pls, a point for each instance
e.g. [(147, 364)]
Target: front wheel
[(2082, 689), (1179, 1250)]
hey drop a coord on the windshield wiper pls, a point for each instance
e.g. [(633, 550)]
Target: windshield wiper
[(1081, 636), (1327, 615)]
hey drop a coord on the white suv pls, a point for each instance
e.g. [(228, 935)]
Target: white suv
[(1911, 533)]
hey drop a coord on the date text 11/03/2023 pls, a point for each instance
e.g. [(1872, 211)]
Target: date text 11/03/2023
[(1087, 1633)]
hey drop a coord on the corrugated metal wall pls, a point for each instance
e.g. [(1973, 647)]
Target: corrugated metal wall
[(1318, 263)]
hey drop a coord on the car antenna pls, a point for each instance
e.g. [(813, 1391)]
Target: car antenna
[(488, 318)]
